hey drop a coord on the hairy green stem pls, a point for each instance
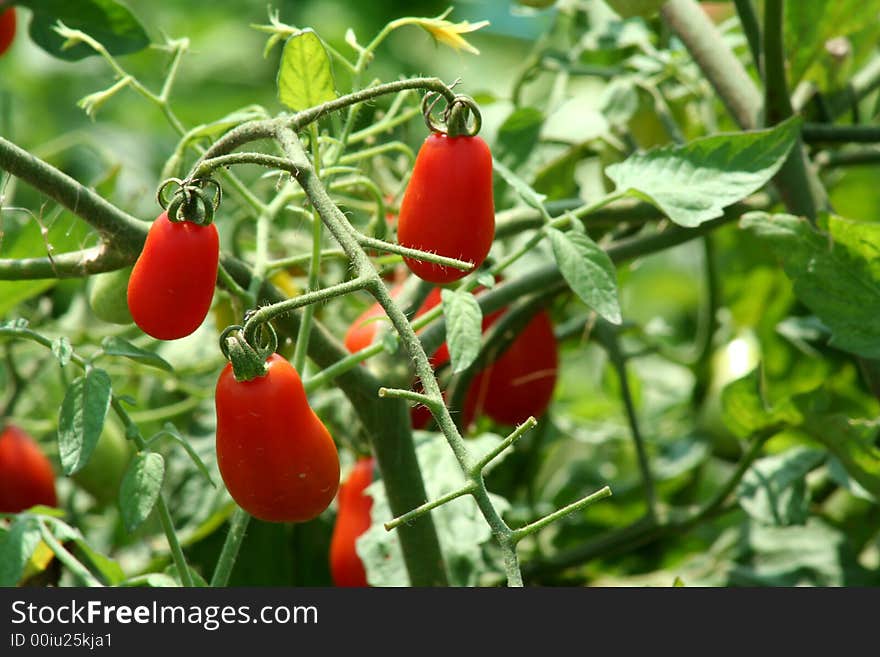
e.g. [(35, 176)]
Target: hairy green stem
[(238, 525), (119, 228)]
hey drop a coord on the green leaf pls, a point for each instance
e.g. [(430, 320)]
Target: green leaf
[(518, 135), (588, 270), (106, 21), (619, 101), (850, 440), (520, 186), (16, 547), (62, 350), (794, 555), (693, 183), (836, 275), (461, 528), (152, 580), (82, 417), (170, 430), (305, 78), (110, 571), (746, 410), (464, 327), (774, 489), (116, 346), (140, 488)]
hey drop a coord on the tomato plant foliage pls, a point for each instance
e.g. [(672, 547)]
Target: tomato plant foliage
[(588, 297)]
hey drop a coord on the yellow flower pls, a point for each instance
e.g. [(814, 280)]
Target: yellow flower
[(449, 33)]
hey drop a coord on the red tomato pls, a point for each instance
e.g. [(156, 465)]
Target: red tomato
[(26, 475), (448, 207), (520, 382), (7, 29), (172, 283), (352, 520), (276, 457), (363, 330)]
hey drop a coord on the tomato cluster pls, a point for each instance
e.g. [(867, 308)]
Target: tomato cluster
[(519, 383), (26, 475)]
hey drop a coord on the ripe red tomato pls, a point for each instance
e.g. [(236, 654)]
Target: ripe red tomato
[(26, 475), (363, 330), (520, 382), (7, 29), (276, 457), (172, 283), (448, 206), (352, 520)]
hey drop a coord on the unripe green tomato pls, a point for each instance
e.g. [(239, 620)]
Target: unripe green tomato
[(630, 8), (730, 362), (102, 475), (107, 296), (537, 4)]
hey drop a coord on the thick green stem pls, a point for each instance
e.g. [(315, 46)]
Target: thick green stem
[(123, 231)]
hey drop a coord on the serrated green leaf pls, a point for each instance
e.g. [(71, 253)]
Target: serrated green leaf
[(774, 491), (694, 182), (305, 78), (16, 547), (115, 346), (519, 185), (81, 418), (140, 488), (588, 270), (62, 350), (835, 274), (464, 327), (107, 21)]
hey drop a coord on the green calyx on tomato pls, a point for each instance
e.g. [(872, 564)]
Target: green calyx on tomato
[(352, 520), (172, 283), (276, 457), (27, 477)]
